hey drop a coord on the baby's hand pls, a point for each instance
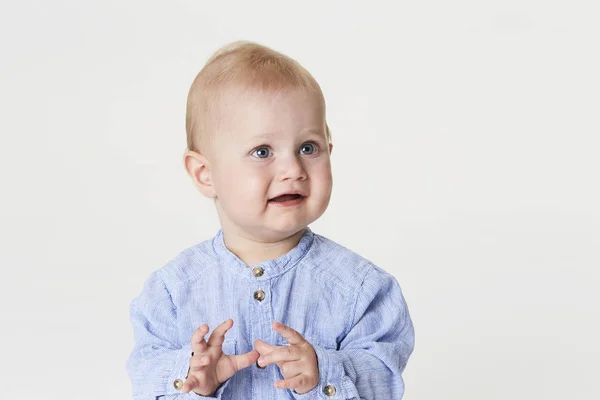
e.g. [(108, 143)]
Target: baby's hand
[(209, 367), (297, 362)]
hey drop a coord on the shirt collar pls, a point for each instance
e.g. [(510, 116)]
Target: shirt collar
[(271, 268)]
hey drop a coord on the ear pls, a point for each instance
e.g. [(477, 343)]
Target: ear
[(330, 148), (198, 168)]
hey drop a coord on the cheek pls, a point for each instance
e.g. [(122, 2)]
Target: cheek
[(322, 177), (240, 183)]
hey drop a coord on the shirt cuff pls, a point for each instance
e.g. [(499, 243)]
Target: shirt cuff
[(217, 395), (335, 369)]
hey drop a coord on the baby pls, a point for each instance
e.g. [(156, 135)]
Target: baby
[(293, 314)]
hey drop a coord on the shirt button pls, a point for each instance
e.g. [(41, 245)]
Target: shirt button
[(329, 390), (259, 295), (258, 271), (178, 384)]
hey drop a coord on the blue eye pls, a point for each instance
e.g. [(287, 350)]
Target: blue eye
[(261, 152), (308, 148)]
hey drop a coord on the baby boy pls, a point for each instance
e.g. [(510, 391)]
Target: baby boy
[(291, 314)]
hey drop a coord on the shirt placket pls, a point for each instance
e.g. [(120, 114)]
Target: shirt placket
[(262, 317)]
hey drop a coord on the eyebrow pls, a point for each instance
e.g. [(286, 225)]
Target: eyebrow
[(267, 135)]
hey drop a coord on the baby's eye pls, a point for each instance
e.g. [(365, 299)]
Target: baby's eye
[(308, 148), (261, 152)]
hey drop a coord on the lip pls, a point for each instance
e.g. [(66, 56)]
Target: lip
[(289, 192), (288, 203)]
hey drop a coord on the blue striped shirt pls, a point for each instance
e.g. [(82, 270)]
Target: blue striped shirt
[(352, 312)]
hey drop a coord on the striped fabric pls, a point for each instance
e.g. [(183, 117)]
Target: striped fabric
[(351, 311)]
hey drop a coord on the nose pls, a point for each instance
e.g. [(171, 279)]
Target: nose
[(291, 167)]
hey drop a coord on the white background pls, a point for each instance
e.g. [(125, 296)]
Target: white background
[(466, 141)]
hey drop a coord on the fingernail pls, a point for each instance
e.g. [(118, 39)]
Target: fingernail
[(261, 361)]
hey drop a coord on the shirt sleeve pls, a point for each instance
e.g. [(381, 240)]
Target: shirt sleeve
[(374, 353), (158, 359)]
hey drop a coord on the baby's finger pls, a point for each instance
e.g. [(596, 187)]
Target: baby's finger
[(283, 353), (217, 337), (290, 383), (190, 383), (292, 368), (199, 345), (244, 360), (292, 336), (199, 362)]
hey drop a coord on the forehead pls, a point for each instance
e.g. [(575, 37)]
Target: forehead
[(246, 113)]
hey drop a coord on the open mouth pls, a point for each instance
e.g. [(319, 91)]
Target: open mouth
[(286, 198)]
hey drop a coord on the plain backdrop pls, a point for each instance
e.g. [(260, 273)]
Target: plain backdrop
[(466, 163)]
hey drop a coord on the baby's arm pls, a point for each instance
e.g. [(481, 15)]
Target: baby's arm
[(374, 353), (158, 362)]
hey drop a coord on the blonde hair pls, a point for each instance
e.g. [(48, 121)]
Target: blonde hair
[(245, 64)]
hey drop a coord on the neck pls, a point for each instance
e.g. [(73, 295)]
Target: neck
[(253, 251)]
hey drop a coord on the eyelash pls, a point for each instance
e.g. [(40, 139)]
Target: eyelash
[(316, 149)]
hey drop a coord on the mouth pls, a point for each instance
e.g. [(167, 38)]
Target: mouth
[(287, 199)]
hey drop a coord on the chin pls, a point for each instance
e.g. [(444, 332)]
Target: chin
[(281, 232), (286, 231)]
